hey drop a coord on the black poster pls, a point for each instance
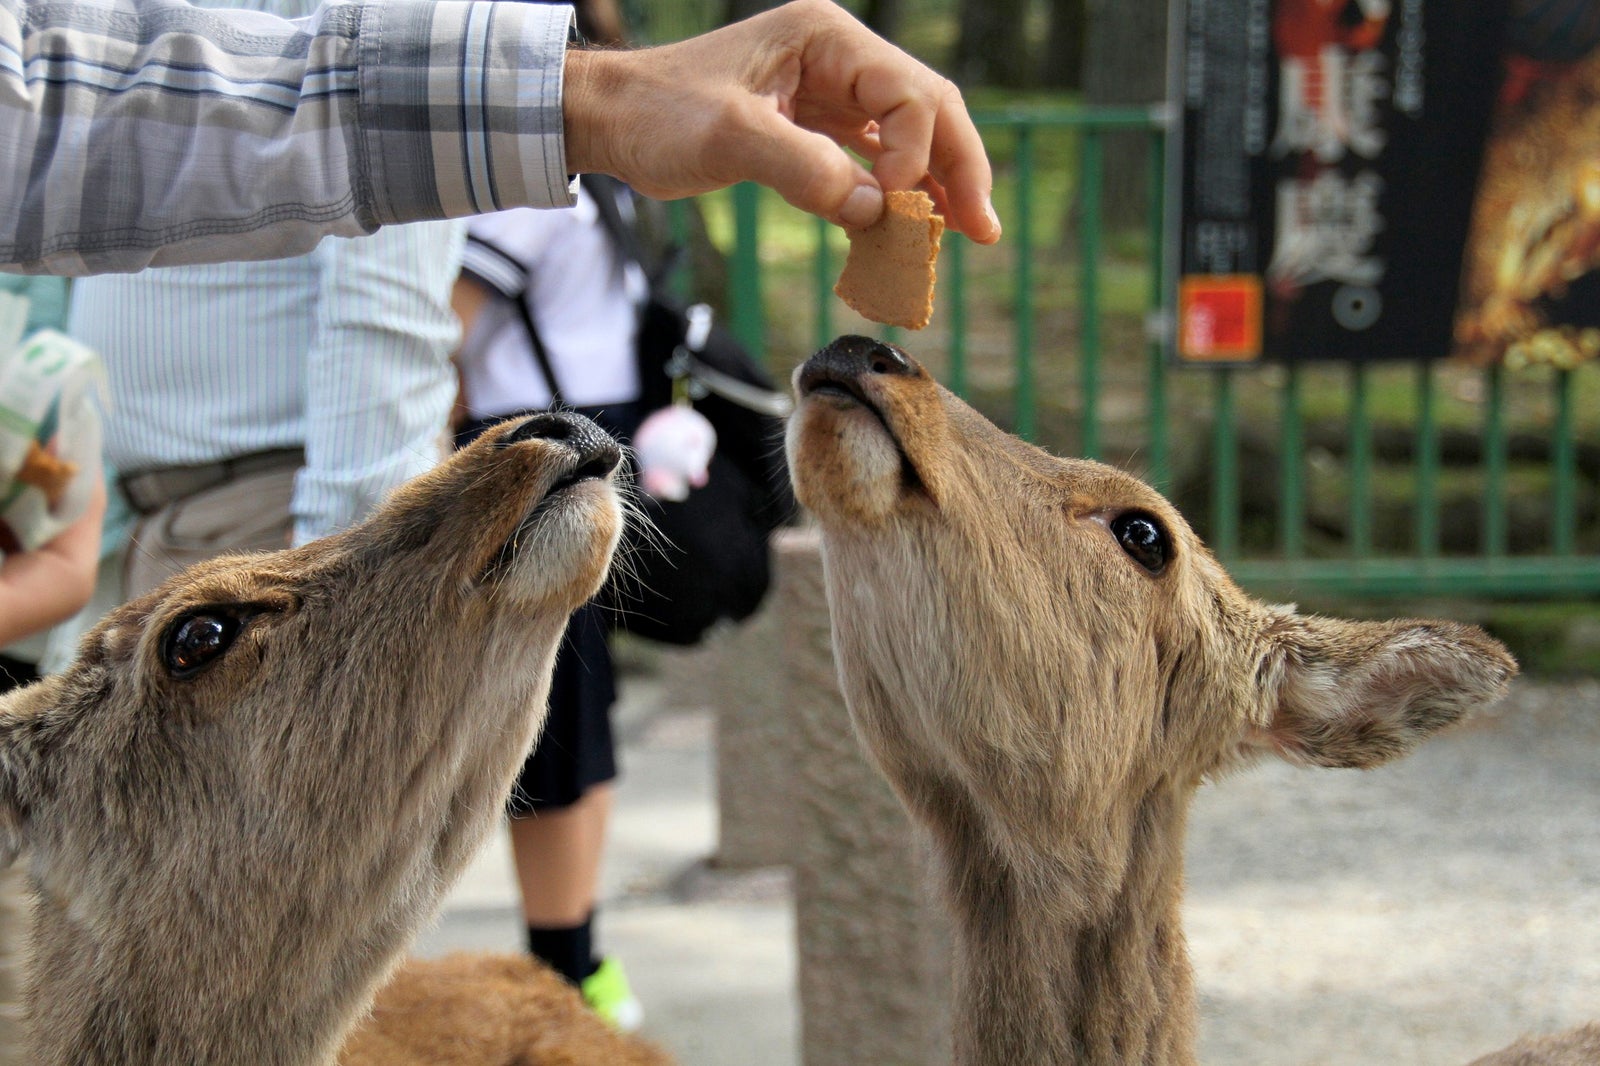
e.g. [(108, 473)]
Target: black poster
[(1387, 179)]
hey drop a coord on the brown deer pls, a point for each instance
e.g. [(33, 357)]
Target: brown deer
[(475, 1009), (1575, 1047), (1045, 662), (256, 782)]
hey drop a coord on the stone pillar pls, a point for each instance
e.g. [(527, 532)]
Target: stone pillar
[(754, 741), (874, 976)]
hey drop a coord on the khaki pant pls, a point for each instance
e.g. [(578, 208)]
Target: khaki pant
[(250, 513)]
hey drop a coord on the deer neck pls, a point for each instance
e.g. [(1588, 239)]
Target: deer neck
[(1052, 970)]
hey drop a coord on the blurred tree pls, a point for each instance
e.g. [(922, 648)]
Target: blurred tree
[(992, 46), (1061, 66), (1125, 62), (884, 17), (734, 10), (601, 21)]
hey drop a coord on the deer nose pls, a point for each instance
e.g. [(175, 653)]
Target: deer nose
[(852, 357), (564, 427)]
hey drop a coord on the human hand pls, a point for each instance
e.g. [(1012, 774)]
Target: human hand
[(772, 99), (51, 583)]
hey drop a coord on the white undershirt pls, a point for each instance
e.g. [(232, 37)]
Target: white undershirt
[(584, 298)]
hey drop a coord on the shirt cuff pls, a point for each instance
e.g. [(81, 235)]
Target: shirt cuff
[(460, 107)]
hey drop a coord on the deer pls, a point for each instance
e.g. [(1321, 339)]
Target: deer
[(1045, 663), (254, 784), (488, 1009)]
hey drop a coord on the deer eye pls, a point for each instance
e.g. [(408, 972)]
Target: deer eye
[(1142, 537), (197, 639)]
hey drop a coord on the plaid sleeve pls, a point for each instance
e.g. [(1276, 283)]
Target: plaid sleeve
[(491, 73), (138, 132)]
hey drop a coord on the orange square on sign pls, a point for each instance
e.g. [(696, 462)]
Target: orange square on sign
[(1219, 317)]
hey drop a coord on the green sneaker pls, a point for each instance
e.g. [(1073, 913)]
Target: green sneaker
[(608, 995)]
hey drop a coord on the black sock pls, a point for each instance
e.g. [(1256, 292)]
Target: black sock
[(569, 950)]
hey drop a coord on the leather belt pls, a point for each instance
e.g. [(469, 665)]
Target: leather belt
[(150, 490)]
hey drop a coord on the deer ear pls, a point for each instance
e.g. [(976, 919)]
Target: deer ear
[(1357, 694), (19, 754)]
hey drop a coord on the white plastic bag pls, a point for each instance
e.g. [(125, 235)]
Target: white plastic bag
[(52, 390)]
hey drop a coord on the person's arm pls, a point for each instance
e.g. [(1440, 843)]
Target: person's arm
[(207, 135), (136, 132), (379, 383), (42, 587), (467, 299)]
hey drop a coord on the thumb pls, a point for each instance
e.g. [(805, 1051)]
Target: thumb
[(810, 171)]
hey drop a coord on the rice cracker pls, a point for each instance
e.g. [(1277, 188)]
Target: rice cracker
[(889, 274)]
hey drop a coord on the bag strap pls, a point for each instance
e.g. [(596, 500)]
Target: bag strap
[(541, 356), (606, 192), (498, 281)]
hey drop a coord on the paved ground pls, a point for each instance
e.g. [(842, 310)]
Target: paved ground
[(710, 955), (1421, 914)]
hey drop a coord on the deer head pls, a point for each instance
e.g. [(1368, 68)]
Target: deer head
[(254, 783), (1045, 661)]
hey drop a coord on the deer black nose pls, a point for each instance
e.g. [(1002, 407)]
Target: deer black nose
[(852, 357), (569, 428)]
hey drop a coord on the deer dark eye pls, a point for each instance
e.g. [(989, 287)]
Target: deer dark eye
[(196, 640), (1142, 537)]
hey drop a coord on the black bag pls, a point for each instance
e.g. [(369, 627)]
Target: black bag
[(709, 557)]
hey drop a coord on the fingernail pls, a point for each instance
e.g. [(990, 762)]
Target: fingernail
[(862, 207), (994, 219)]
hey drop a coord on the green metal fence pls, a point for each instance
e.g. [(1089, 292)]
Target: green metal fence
[(1294, 474)]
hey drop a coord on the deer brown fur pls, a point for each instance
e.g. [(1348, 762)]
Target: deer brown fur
[(472, 1009), (255, 783), (1576, 1047), (1045, 662)]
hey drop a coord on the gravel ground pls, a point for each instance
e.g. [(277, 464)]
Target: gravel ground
[(1427, 912), (1418, 915)]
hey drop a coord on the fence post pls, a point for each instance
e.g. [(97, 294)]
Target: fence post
[(1224, 532), (1089, 293), (1427, 462), (1291, 469), (955, 296), (822, 280), (745, 315), (1158, 324), (1023, 296), (874, 946), (1495, 527), (1564, 460)]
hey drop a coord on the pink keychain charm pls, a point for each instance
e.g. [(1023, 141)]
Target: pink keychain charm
[(673, 447)]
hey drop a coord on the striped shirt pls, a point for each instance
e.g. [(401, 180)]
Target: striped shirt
[(344, 351), (148, 131)]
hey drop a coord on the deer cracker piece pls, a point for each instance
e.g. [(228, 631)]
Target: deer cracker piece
[(889, 274)]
